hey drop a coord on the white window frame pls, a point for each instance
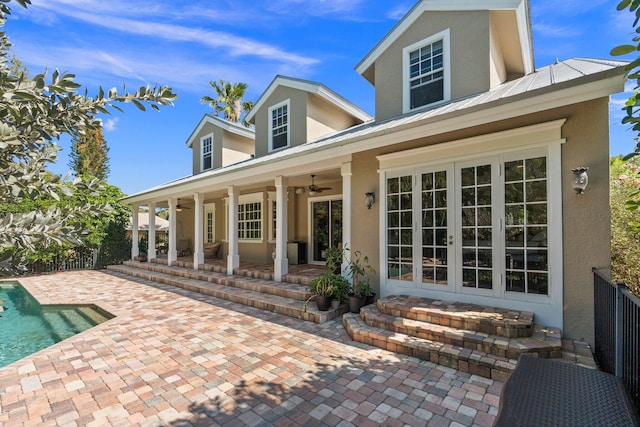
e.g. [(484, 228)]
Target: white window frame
[(544, 139), (248, 199), (272, 216), (443, 36), (203, 154), (209, 208), (286, 103)]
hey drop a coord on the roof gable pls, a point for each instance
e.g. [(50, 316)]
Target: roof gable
[(312, 87), (521, 8), (222, 124)]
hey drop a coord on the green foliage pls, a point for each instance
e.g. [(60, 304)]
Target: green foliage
[(632, 106), (89, 154), (358, 268), (34, 113), (625, 247), (329, 284), (228, 101)]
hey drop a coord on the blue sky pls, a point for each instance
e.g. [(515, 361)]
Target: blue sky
[(186, 44)]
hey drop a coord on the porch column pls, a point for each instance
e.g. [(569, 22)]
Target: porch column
[(198, 249), (172, 255), (281, 263), (233, 258), (151, 252), (135, 250), (346, 173)]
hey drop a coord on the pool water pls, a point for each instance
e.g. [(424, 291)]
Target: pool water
[(27, 327)]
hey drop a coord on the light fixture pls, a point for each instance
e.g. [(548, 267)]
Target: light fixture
[(580, 179), (370, 198), (300, 190)]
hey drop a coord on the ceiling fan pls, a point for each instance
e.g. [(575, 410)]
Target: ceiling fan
[(314, 189), (179, 207)]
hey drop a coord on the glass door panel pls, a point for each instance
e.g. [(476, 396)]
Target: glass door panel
[(476, 226), (326, 222), (436, 228), (400, 228)]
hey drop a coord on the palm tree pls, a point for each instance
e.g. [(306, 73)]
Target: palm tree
[(228, 101)]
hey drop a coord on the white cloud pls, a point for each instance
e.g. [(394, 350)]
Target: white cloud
[(555, 31), (110, 125)]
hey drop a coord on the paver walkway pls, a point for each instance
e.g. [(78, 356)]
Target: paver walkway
[(175, 358)]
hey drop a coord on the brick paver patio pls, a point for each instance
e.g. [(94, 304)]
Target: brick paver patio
[(175, 358)]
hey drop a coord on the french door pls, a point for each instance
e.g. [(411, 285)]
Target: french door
[(326, 227), (444, 228)]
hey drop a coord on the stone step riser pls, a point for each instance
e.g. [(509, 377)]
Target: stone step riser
[(543, 345), (465, 360), (494, 321), (202, 288), (225, 280), (264, 275)]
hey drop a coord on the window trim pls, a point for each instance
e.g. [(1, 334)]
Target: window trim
[(209, 208), (202, 153), (246, 199), (445, 37), (286, 103)]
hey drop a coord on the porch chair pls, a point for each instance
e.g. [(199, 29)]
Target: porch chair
[(184, 247)]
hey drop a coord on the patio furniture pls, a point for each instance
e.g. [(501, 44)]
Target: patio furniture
[(184, 247), (547, 392), (211, 250)]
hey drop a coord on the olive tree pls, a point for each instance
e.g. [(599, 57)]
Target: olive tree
[(34, 112)]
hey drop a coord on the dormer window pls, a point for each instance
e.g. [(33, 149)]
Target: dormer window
[(426, 72), (207, 152), (279, 126)]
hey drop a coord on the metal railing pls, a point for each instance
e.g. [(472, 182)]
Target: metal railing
[(80, 258), (617, 332)]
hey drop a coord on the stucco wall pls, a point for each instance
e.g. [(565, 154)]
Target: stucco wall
[(470, 53), (217, 147), (586, 218), (324, 118)]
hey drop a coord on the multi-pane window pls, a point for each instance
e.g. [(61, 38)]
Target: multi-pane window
[(400, 228), (250, 221), (435, 263), (280, 127), (274, 227), (426, 75), (209, 238), (526, 226), (207, 153), (477, 213)]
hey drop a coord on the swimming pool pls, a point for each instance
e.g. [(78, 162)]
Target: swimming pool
[(27, 327)]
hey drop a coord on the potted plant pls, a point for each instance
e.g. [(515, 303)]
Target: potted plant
[(143, 246), (324, 288), (358, 267), (335, 256)]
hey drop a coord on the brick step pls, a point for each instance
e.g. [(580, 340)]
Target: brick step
[(474, 362), (254, 271), (278, 304), (545, 342), (287, 290), (489, 320)]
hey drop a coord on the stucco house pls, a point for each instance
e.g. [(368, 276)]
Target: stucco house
[(469, 159)]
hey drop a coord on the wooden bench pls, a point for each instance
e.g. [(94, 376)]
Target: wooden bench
[(547, 392)]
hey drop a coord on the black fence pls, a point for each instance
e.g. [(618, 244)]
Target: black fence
[(617, 332), (80, 258)]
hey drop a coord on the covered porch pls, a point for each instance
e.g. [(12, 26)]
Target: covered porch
[(271, 224)]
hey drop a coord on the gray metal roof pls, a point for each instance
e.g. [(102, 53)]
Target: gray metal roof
[(561, 74)]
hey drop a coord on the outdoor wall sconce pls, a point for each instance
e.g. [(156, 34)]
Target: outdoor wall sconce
[(299, 190), (370, 198), (580, 179)]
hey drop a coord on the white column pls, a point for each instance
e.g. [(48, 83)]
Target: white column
[(346, 173), (281, 263), (135, 250), (198, 249), (233, 258), (172, 256), (151, 252)]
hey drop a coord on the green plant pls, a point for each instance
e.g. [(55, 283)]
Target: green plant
[(143, 245), (358, 267), (329, 284), (335, 256)]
